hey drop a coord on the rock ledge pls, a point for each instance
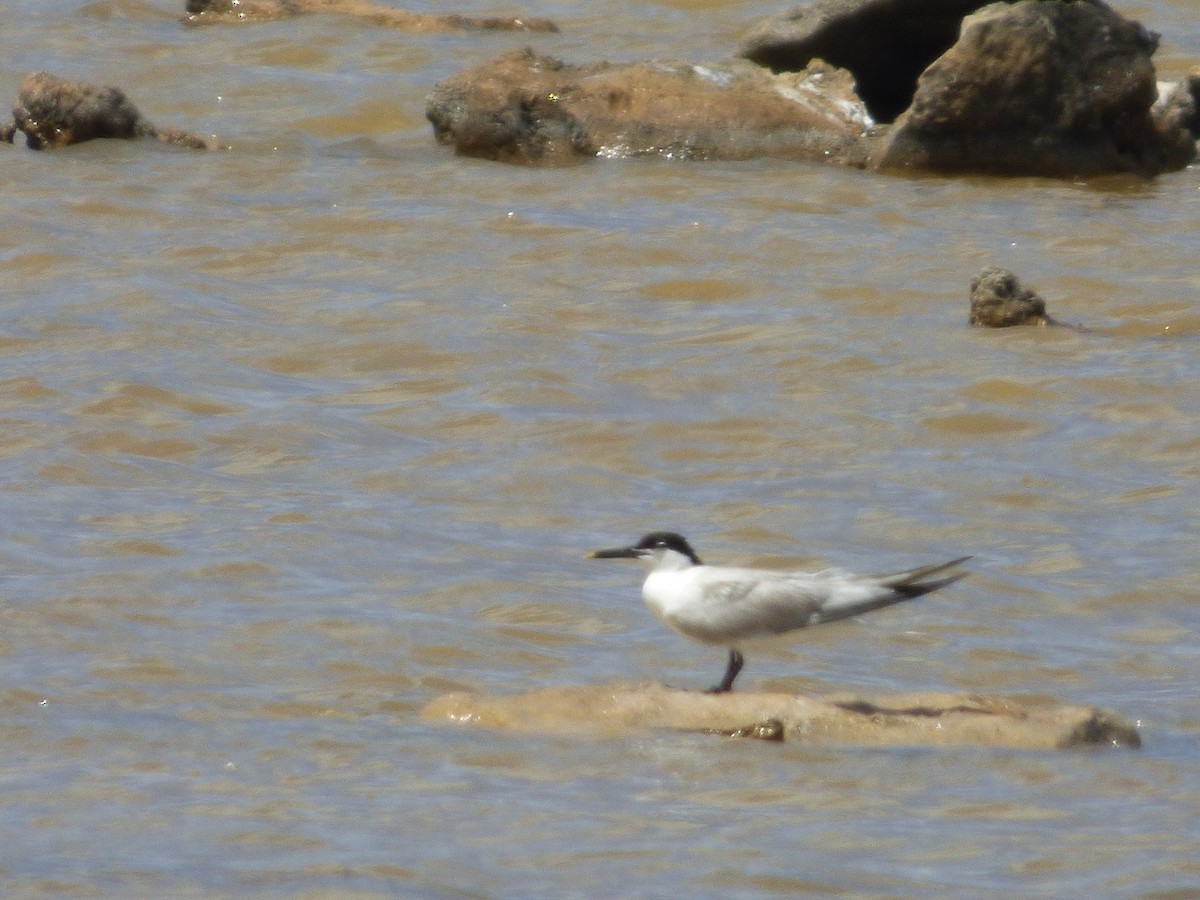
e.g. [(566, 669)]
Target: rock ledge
[(926, 719)]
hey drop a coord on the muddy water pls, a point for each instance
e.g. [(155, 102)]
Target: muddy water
[(300, 436)]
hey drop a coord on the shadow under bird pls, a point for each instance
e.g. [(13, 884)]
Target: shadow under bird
[(726, 606)]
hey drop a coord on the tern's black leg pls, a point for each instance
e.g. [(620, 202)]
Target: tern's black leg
[(731, 672)]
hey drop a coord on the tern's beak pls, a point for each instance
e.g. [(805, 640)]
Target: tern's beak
[(618, 553)]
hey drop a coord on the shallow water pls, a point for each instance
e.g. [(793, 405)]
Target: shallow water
[(299, 436)]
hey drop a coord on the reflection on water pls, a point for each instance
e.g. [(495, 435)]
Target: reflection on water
[(299, 436)]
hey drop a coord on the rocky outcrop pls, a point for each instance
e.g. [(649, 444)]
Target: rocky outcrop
[(528, 108), (912, 720), (998, 300), (54, 112), (1058, 88), (218, 11)]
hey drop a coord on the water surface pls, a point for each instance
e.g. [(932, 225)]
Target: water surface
[(299, 436)]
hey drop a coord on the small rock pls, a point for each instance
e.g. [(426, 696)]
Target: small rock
[(766, 730), (998, 300), (1177, 115), (54, 112)]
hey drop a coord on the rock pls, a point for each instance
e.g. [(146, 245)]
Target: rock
[(907, 720), (766, 730), (53, 112), (522, 107), (1177, 114), (216, 11), (884, 44), (1059, 88), (998, 300)]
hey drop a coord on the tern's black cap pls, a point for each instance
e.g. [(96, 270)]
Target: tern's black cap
[(669, 540)]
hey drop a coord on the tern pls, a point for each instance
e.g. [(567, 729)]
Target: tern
[(726, 606)]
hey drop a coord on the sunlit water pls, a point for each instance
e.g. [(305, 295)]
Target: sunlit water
[(299, 436)]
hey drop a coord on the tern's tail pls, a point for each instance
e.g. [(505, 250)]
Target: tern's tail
[(895, 588), (916, 582)]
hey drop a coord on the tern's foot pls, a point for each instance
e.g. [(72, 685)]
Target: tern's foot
[(731, 673)]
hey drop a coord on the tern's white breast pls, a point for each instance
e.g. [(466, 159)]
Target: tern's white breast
[(697, 603), (674, 593)]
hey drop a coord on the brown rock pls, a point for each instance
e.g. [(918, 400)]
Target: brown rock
[(1057, 88), (913, 720), (998, 300), (522, 107), (218, 11), (54, 112)]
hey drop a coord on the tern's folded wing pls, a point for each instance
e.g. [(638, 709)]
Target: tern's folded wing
[(747, 608), (742, 608)]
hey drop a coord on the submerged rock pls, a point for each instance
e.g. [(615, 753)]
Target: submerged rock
[(54, 112), (217, 11), (912, 720), (523, 107), (999, 300), (1059, 88)]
